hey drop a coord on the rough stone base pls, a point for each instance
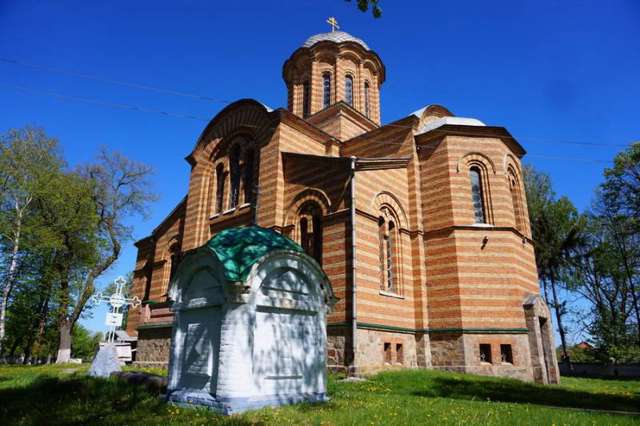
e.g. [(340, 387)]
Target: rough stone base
[(370, 354), (154, 345), (461, 353)]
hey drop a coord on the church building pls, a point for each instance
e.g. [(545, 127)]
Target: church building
[(421, 224)]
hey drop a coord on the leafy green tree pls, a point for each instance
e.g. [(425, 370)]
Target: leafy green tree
[(619, 206), (364, 6), (120, 189), (28, 159), (556, 227), (85, 344)]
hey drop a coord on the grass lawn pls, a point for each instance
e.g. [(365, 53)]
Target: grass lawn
[(50, 395)]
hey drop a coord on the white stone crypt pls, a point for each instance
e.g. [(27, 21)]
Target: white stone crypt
[(250, 328)]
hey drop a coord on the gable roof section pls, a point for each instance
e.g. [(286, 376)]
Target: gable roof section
[(474, 131)]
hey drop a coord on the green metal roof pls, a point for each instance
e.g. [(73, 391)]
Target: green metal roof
[(239, 248)]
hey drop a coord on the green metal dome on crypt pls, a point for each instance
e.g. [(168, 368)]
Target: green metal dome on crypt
[(239, 248)]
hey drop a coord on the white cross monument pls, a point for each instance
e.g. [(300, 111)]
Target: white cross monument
[(117, 301), (106, 360)]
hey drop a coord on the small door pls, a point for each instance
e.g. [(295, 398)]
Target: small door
[(201, 347), (288, 352)]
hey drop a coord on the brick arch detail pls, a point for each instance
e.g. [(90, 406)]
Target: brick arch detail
[(510, 161), (475, 158), (175, 239), (385, 198), (245, 117), (310, 194)]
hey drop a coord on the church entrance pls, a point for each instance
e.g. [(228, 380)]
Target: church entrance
[(201, 343), (541, 346)]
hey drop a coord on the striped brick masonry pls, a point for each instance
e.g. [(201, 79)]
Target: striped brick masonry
[(391, 212)]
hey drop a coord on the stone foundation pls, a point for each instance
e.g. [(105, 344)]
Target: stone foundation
[(371, 356), (461, 352), (447, 352), (452, 352), (153, 347), (338, 343)]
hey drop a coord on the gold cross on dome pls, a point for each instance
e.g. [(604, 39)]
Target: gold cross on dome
[(334, 23)]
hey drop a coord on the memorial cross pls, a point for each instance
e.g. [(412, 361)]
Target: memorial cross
[(116, 300)]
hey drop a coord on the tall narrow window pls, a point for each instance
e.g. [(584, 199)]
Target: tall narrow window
[(516, 199), (310, 225), (304, 234), (390, 240), (175, 261), (234, 162), (367, 110), (306, 99), (220, 184), (387, 233), (326, 90), (348, 90), (476, 195), (249, 184)]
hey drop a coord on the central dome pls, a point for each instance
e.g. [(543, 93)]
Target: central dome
[(334, 36)]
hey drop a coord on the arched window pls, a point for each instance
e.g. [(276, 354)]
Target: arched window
[(310, 230), (516, 199), (326, 90), (174, 260), (220, 184), (248, 184), (388, 246), (234, 165), (367, 108), (477, 198), (306, 99), (348, 90)]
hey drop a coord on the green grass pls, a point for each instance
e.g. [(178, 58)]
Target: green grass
[(65, 395)]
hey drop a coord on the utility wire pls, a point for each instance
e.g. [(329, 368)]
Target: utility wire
[(210, 99), (130, 107), (107, 104), (113, 81)]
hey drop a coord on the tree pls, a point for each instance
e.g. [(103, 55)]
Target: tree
[(85, 344), (364, 5), (28, 159), (556, 227), (599, 276), (619, 206), (120, 189)]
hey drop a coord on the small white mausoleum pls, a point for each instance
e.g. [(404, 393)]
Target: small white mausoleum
[(250, 323)]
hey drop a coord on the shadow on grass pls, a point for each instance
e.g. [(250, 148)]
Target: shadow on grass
[(73, 401), (513, 391)]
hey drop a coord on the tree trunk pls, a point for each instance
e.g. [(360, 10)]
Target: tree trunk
[(556, 305), (8, 284), (64, 348)]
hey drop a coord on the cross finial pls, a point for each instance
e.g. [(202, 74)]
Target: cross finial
[(334, 23)]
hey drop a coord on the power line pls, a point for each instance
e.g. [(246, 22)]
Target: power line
[(113, 81), (210, 99), (557, 157), (122, 106), (130, 107)]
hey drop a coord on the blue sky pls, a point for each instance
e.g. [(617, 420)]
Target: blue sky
[(551, 72)]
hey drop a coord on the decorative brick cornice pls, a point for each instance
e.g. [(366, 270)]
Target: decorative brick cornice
[(472, 131), (491, 228), (405, 330), (155, 325)]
